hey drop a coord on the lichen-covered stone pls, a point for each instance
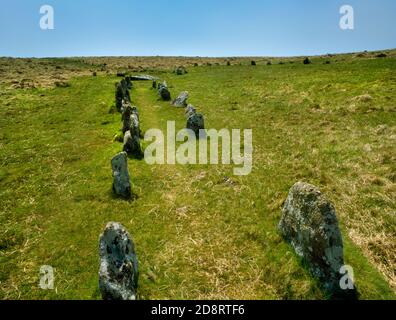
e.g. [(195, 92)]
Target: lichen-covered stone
[(126, 118), (121, 181), (190, 110), (129, 83), (118, 271), (181, 100), (164, 92), (310, 225), (196, 123), (180, 70), (122, 94), (132, 144)]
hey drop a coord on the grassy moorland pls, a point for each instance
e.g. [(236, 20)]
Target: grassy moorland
[(200, 232)]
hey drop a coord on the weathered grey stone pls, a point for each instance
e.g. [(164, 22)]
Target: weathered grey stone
[(180, 70), (195, 123), (143, 78), (126, 118), (181, 100), (190, 110), (310, 225), (121, 182), (129, 83), (122, 93), (135, 124), (118, 271), (162, 84), (307, 61), (164, 92), (132, 144)]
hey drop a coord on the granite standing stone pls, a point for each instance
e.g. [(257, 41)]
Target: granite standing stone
[(181, 100), (118, 271), (121, 181), (309, 223)]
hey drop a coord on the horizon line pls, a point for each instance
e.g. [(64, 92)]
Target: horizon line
[(195, 56)]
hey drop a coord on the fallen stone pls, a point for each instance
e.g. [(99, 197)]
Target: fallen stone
[(143, 78), (118, 271), (196, 123), (121, 182), (181, 100), (310, 225)]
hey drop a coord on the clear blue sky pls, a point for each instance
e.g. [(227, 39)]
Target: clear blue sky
[(194, 27)]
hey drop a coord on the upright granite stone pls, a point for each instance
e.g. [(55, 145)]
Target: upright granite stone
[(118, 271), (128, 82), (180, 70), (196, 123), (190, 110), (310, 225), (135, 124), (181, 100), (122, 93), (132, 135), (126, 118), (164, 92), (121, 182), (132, 145)]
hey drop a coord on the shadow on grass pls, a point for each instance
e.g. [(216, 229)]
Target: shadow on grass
[(133, 196)]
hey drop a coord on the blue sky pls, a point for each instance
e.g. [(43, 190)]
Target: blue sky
[(194, 27)]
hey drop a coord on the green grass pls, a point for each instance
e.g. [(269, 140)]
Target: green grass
[(197, 236)]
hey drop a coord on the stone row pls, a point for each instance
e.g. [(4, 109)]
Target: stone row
[(308, 221), (195, 121)]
